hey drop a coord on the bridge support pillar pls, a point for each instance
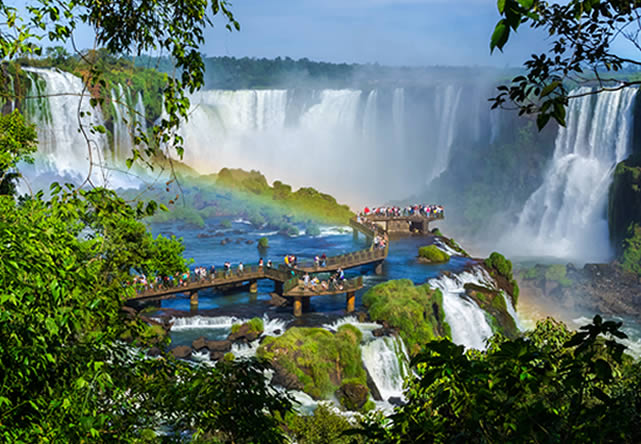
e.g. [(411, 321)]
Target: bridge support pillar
[(351, 301), (306, 302), (193, 300), (379, 268), (298, 306), (278, 288), (253, 286), (355, 234)]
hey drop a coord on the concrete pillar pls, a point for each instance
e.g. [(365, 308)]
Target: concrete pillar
[(351, 301), (193, 300), (298, 306), (379, 268), (253, 286), (355, 233)]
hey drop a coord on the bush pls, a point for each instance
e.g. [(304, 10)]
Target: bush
[(417, 311), (500, 264), (256, 325), (557, 273), (319, 359), (263, 242), (312, 230), (324, 426), (433, 254)]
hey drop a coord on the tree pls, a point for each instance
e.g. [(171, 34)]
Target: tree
[(582, 34), (17, 143)]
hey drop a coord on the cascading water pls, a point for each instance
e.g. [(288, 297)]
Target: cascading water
[(467, 321), (566, 217), (67, 147), (386, 361), (446, 105)]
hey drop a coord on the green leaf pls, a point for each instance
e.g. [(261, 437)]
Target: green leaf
[(500, 4), (549, 88), (499, 36)]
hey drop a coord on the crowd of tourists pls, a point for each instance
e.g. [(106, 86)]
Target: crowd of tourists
[(336, 281), (411, 210)]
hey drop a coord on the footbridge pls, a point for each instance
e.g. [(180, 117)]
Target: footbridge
[(288, 280)]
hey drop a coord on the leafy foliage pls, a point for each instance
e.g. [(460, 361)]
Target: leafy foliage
[(540, 388), (581, 34), (417, 311), (17, 143), (323, 426), (631, 260)]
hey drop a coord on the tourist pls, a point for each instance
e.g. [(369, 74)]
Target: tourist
[(316, 261), (323, 260), (260, 263), (286, 260), (305, 281), (241, 268), (269, 263)]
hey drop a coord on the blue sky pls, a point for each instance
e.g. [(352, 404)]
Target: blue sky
[(390, 32)]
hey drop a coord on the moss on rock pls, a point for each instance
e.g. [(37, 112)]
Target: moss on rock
[(432, 254), (416, 311), (500, 269), (318, 359), (493, 303)]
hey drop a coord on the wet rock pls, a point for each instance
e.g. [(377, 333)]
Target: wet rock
[(154, 351), (362, 316), (396, 401), (203, 236), (285, 379), (218, 346), (277, 332), (352, 395), (129, 312), (219, 234), (244, 334), (277, 300), (249, 241), (216, 355), (371, 385), (181, 352), (239, 241), (199, 343)]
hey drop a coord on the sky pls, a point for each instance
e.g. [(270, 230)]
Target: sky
[(389, 32)]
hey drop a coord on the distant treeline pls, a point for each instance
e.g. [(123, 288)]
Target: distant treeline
[(255, 73)]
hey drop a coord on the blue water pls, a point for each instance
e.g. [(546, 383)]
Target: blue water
[(400, 263)]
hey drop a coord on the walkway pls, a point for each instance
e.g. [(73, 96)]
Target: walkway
[(287, 280)]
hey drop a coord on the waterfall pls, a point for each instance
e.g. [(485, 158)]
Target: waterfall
[(59, 141), (466, 319), (566, 217), (386, 361), (446, 106)]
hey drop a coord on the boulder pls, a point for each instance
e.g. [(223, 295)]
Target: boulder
[(129, 312), (243, 334), (199, 343), (282, 377), (249, 241), (181, 352), (396, 401), (216, 355), (353, 395), (277, 300), (218, 346)]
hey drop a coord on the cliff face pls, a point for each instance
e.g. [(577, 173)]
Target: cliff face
[(624, 203)]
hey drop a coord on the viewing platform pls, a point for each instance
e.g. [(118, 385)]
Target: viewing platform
[(288, 280)]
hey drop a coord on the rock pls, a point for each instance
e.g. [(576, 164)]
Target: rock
[(277, 332), (154, 351), (129, 312), (249, 241), (218, 346), (203, 236), (244, 334), (219, 234), (199, 343), (239, 241), (181, 352), (277, 300), (362, 316), (396, 401), (379, 332), (216, 355), (353, 395), (285, 379), (223, 242), (371, 385)]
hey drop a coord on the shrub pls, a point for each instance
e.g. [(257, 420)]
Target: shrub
[(433, 254), (263, 242), (500, 264), (409, 308), (312, 230)]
